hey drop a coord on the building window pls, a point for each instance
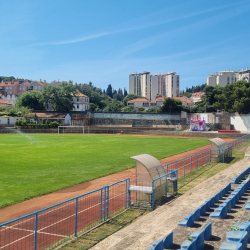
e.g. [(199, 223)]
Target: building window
[(35, 87), (77, 106), (7, 87), (23, 88), (77, 99)]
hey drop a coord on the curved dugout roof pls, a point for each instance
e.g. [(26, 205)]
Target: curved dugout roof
[(152, 166), (219, 143)]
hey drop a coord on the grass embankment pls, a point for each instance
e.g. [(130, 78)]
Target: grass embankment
[(37, 164), (186, 183)]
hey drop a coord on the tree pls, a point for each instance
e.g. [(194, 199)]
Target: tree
[(113, 105), (32, 100), (129, 109), (109, 91), (60, 97), (158, 95), (125, 92), (170, 105), (234, 97)]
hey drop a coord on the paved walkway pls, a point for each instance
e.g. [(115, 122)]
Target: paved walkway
[(33, 205), (157, 224)]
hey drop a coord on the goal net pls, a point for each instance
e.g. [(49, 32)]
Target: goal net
[(70, 130)]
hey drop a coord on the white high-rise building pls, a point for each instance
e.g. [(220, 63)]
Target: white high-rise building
[(140, 84), (146, 85), (226, 77)]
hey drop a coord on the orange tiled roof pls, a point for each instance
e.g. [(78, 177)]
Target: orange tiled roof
[(184, 99), (3, 84), (160, 99), (51, 115), (78, 93), (139, 100), (4, 102), (198, 94), (38, 82)]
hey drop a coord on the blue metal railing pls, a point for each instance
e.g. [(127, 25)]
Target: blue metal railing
[(53, 225)]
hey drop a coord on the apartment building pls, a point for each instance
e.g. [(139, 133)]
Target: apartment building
[(148, 86), (226, 77), (140, 84)]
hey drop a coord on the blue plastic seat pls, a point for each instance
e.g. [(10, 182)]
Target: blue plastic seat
[(225, 203), (247, 207), (238, 236), (207, 205), (221, 194), (216, 198), (189, 245), (203, 209), (230, 245), (199, 236), (189, 222), (243, 227), (237, 197), (157, 245), (220, 214), (208, 231), (197, 214), (228, 188), (167, 241), (211, 201), (232, 198)]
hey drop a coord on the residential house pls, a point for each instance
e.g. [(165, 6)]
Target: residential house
[(53, 116), (23, 87), (9, 98), (196, 97), (81, 102), (139, 103), (35, 85), (55, 83), (5, 104), (185, 101), (9, 88)]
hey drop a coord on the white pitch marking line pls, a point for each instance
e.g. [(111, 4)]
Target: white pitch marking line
[(38, 231)]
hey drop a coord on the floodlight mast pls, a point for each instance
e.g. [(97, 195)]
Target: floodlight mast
[(70, 127)]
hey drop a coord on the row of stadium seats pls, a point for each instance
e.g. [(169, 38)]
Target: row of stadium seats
[(196, 243), (237, 239), (238, 178), (232, 199), (188, 221)]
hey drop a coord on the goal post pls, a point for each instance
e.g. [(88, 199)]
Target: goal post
[(72, 129)]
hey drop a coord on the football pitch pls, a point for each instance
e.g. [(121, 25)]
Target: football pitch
[(37, 164)]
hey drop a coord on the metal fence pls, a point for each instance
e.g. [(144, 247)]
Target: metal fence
[(188, 164), (49, 227), (166, 131)]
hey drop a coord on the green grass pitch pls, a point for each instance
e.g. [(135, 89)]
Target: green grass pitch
[(50, 163)]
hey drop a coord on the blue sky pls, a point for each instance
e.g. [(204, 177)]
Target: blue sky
[(104, 41)]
